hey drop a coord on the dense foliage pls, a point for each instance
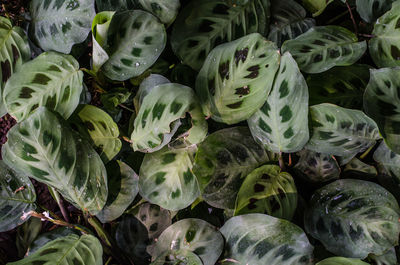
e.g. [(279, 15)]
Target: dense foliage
[(200, 132)]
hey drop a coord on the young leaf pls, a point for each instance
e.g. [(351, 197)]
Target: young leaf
[(288, 21), (341, 261), (223, 160), (194, 235), (370, 10), (44, 147), (135, 40), (100, 128), (202, 25), (381, 103), (237, 77), (340, 131), (52, 80), (68, 250), (17, 197), (59, 24), (353, 218), (14, 51), (281, 125), (263, 239), (267, 190), (100, 25), (324, 47), (384, 47), (316, 7), (166, 178), (122, 190)]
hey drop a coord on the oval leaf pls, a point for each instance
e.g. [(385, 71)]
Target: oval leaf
[(370, 10), (194, 235), (340, 131), (389, 258), (49, 236), (135, 40), (166, 178), (341, 261), (353, 218), (17, 197), (223, 160), (324, 47), (52, 80), (202, 25), (44, 147), (59, 24), (281, 125), (68, 250), (268, 190), (237, 77), (262, 239), (381, 103), (179, 257)]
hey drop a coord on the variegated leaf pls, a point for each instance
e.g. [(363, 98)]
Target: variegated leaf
[(194, 235), (14, 51), (52, 80), (341, 261), (146, 86), (370, 10), (167, 179), (17, 197), (389, 258), (123, 186), (68, 250), (353, 218), (267, 190), (182, 256), (384, 47), (316, 7), (359, 167), (260, 239), (223, 160), (340, 131), (202, 25), (100, 25), (135, 40), (59, 24), (343, 86), (382, 104), (237, 77), (288, 21), (159, 117), (317, 167), (100, 129), (165, 10), (324, 47), (281, 125), (44, 147)]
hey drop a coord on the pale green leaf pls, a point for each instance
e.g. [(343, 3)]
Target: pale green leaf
[(341, 261)]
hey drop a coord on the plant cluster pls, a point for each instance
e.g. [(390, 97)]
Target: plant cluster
[(201, 132)]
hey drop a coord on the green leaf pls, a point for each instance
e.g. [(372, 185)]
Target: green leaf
[(267, 190), (317, 167), (194, 235), (164, 10), (260, 239), (381, 103), (340, 131), (26, 234), (59, 24), (179, 257), (324, 47), (356, 166), (384, 47), (370, 10), (146, 86), (68, 250), (202, 25), (281, 125), (17, 197), (14, 51), (111, 99), (353, 218), (237, 77), (343, 86), (316, 7), (49, 236), (122, 190), (100, 128), (167, 179), (389, 258), (223, 160), (341, 261), (100, 25), (288, 21), (52, 80), (159, 117), (135, 40), (44, 147)]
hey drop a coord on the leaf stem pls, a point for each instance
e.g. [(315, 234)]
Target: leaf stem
[(281, 162), (125, 107), (352, 18), (100, 230), (54, 193), (366, 152)]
